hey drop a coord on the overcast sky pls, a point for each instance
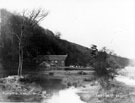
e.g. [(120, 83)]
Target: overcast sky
[(109, 23)]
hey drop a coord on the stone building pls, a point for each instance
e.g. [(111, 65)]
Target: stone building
[(52, 60)]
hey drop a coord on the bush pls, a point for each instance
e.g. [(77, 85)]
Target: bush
[(105, 66)]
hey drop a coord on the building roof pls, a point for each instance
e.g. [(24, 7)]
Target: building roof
[(52, 57)]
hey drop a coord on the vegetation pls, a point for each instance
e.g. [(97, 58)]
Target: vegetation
[(32, 20), (39, 41), (22, 37), (104, 65)]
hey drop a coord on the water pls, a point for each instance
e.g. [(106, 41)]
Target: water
[(127, 76), (68, 95), (49, 85)]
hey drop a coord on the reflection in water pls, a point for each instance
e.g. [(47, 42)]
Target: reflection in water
[(40, 84), (51, 85)]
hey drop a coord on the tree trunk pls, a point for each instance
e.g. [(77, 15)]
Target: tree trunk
[(20, 54), (20, 60)]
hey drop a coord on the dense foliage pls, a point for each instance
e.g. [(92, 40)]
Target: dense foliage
[(105, 65)]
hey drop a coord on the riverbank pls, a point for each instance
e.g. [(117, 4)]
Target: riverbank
[(117, 93), (69, 85)]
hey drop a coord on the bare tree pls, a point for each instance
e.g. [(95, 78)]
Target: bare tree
[(29, 18)]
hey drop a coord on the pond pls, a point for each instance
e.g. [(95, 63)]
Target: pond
[(59, 83), (43, 82)]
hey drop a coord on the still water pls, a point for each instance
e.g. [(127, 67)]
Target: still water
[(44, 83)]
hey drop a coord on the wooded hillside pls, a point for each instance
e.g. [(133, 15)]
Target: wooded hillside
[(39, 41)]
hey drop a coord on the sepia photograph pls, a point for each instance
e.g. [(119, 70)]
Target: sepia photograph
[(67, 51)]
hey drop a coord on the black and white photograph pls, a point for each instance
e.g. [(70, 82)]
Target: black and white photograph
[(67, 51)]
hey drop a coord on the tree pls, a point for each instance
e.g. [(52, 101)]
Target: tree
[(58, 35), (28, 19), (104, 65), (94, 50)]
